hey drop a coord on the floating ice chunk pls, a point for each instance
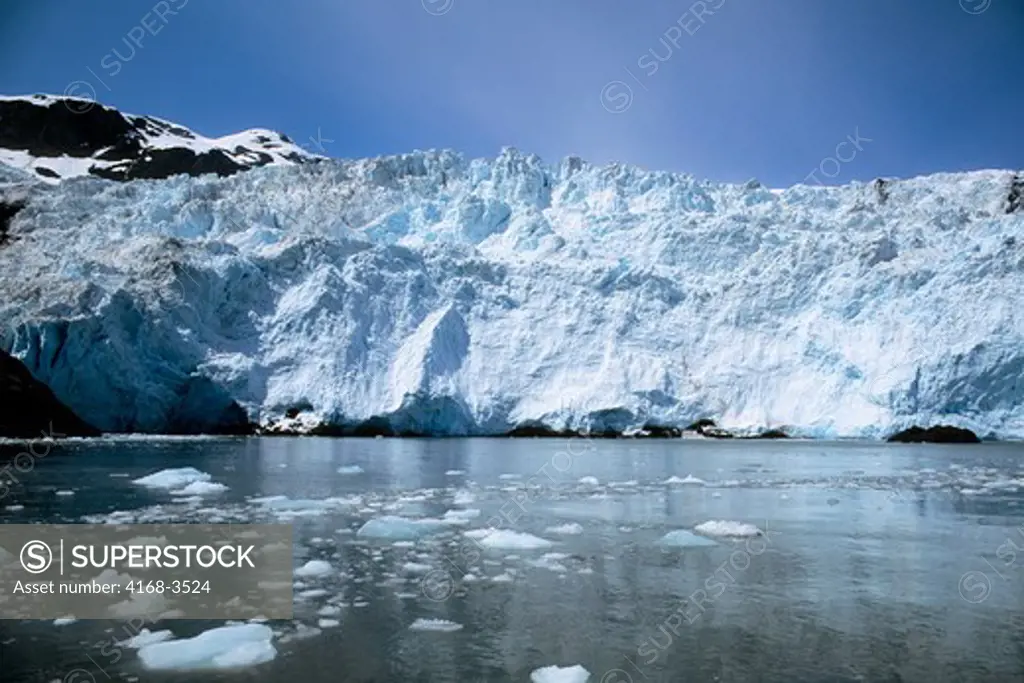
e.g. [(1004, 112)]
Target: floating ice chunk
[(225, 647), (440, 625), (286, 507), (328, 623), (311, 594), (350, 469), (415, 568), (454, 473), (175, 478), (589, 481), (329, 611), (502, 578), (555, 556), (395, 528), (146, 637), (570, 529), (314, 569), (64, 621), (201, 488), (463, 498), (727, 528), (14, 508), (470, 578), (551, 563), (560, 674), (507, 477), (65, 493), (688, 480), (684, 539), (461, 516), (503, 539)]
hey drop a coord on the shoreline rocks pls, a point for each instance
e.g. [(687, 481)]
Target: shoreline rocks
[(936, 434), (30, 410)]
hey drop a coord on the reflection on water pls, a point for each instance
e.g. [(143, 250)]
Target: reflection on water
[(880, 562)]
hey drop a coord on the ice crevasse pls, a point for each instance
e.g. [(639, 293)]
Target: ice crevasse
[(430, 294)]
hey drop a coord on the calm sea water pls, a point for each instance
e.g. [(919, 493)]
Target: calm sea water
[(880, 562)]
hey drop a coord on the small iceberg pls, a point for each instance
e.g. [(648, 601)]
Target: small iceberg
[(201, 488), (314, 569), (225, 647), (727, 529), (350, 469), (503, 539), (146, 637), (440, 625), (463, 498), (560, 674), (393, 528), (570, 529), (589, 481), (684, 539), (174, 478), (688, 480), (461, 516)]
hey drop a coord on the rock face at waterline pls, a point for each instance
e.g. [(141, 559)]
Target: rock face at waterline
[(937, 434), (431, 294), (29, 410)]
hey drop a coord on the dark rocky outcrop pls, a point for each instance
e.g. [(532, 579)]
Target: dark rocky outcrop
[(881, 190), (47, 127), (8, 210), (707, 427), (653, 431), (770, 434), (703, 423), (1015, 199), (937, 434), (29, 409)]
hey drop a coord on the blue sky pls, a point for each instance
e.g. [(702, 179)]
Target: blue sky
[(742, 88)]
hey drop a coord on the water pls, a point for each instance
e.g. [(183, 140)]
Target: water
[(880, 562)]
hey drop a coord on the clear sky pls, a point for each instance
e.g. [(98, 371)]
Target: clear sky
[(723, 89)]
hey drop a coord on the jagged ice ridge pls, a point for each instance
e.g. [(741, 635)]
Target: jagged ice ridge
[(428, 293)]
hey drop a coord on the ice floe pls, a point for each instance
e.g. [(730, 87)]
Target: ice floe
[(314, 569), (391, 527), (560, 674), (682, 538), (441, 625), (146, 637), (350, 469), (504, 539), (224, 647), (688, 480), (569, 529), (174, 478), (200, 488), (727, 528)]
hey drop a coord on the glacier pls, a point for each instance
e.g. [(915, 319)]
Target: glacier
[(427, 293)]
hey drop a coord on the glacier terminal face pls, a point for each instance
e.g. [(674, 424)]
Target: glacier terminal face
[(431, 294)]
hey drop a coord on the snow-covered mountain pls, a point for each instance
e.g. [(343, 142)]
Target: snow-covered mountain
[(428, 293), (57, 138)]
